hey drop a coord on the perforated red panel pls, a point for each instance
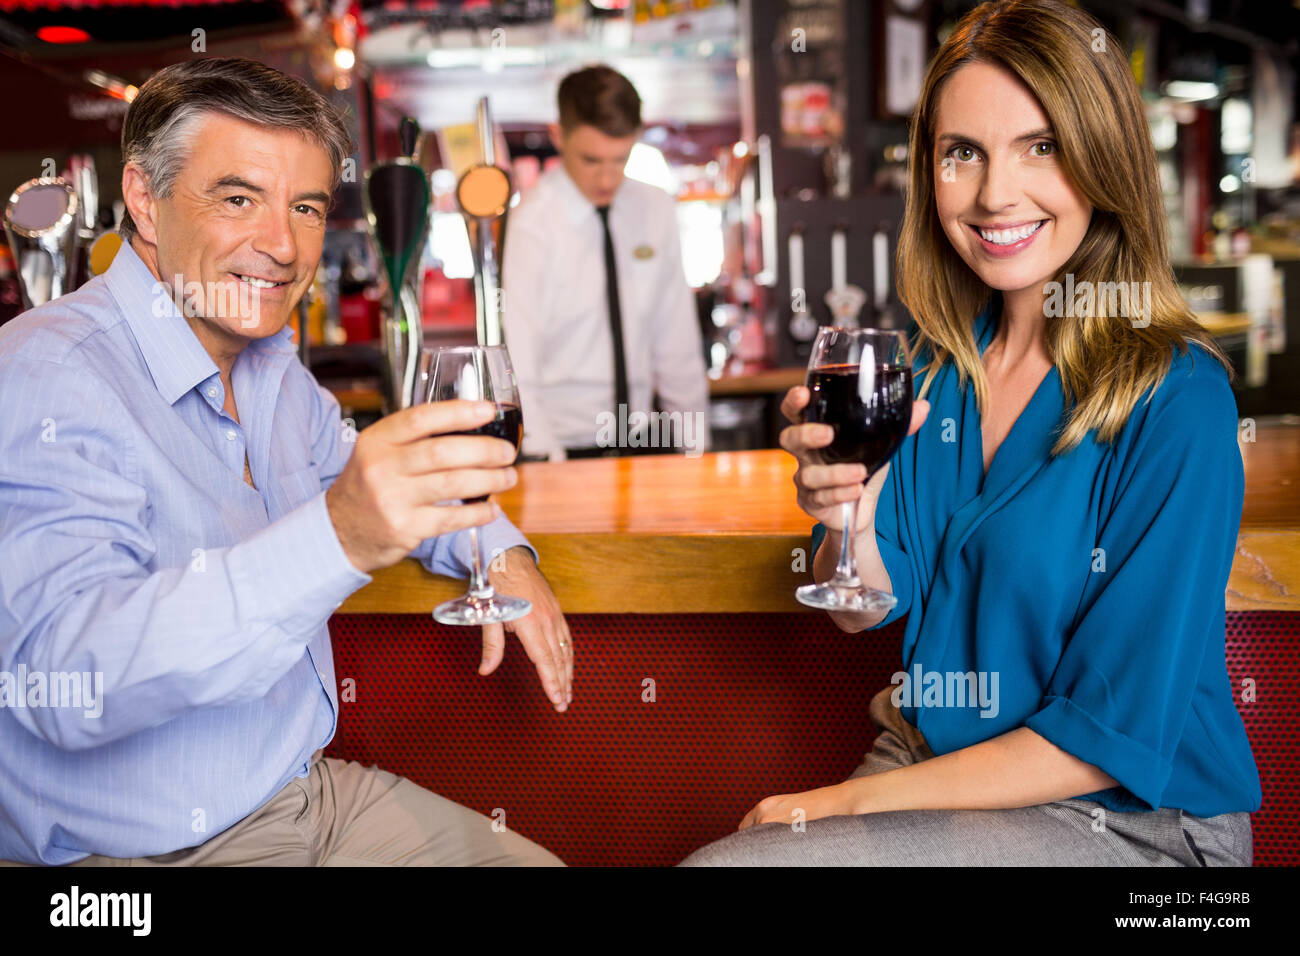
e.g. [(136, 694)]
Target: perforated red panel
[(745, 706), (1264, 646)]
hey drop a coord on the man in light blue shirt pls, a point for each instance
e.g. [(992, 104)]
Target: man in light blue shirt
[(182, 509)]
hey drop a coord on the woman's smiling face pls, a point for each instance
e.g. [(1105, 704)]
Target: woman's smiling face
[(1001, 193)]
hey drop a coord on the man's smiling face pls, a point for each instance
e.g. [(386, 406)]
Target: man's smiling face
[(244, 227)]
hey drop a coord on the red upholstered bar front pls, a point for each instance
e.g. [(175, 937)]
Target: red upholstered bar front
[(744, 706)]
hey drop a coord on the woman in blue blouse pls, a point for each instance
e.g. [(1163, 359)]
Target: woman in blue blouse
[(1059, 524)]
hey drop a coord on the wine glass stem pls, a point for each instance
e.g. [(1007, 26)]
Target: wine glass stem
[(846, 572), (479, 587)]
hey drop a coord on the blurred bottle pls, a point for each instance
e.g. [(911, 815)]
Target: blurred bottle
[(446, 302), (359, 301), (359, 311), (1240, 243), (11, 299)]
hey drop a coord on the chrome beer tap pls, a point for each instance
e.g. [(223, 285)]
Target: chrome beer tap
[(483, 193), (41, 223)]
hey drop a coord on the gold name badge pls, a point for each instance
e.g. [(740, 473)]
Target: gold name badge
[(643, 252)]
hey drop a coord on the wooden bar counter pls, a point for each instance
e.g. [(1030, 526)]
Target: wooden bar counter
[(669, 534)]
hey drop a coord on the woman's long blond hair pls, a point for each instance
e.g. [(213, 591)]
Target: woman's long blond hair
[(1081, 78)]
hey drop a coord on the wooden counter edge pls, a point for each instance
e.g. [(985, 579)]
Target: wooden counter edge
[(1265, 572), (738, 574)]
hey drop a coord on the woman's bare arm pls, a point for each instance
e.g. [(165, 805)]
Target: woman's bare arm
[(1017, 769)]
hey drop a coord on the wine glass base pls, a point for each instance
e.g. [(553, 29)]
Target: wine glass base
[(470, 610), (833, 597)]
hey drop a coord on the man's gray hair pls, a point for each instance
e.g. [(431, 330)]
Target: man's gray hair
[(164, 117)]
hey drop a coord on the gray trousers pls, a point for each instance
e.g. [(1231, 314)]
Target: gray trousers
[(1063, 833), (344, 814)]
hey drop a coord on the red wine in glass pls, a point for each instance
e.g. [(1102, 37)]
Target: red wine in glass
[(869, 413), (860, 383), (479, 373), (508, 424)]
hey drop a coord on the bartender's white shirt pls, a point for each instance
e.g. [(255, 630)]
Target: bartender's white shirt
[(556, 314)]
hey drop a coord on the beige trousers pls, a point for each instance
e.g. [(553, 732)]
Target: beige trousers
[(344, 814)]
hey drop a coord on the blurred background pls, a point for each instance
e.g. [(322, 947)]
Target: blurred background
[(779, 125)]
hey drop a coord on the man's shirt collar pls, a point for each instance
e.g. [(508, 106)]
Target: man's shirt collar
[(176, 359), (577, 207)]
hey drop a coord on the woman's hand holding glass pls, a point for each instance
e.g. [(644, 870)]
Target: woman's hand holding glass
[(822, 489)]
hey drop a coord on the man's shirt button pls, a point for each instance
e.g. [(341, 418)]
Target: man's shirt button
[(230, 434)]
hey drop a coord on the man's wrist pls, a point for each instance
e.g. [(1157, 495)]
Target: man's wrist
[(512, 557), (524, 550)]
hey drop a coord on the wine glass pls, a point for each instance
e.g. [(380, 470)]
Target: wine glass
[(423, 369), (479, 373), (860, 382)]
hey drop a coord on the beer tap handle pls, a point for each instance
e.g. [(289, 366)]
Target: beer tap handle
[(408, 134)]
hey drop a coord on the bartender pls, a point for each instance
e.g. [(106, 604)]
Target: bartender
[(598, 316)]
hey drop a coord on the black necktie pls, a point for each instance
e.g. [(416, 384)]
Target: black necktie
[(615, 315)]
